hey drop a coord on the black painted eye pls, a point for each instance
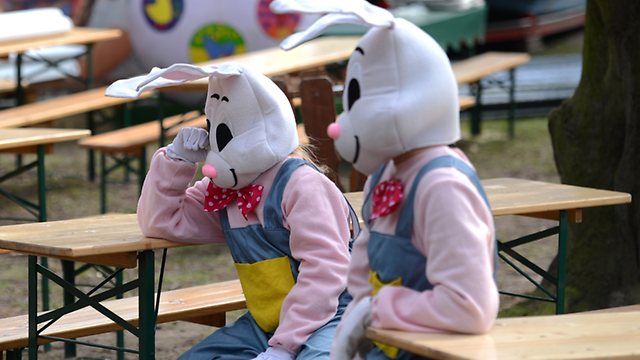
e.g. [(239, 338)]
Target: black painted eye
[(208, 126), (353, 93), (224, 98), (223, 136), (215, 96)]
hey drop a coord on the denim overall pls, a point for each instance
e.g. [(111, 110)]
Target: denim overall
[(393, 259), (267, 272)]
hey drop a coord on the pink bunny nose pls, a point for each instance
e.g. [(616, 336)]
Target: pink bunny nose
[(209, 171), (333, 130)]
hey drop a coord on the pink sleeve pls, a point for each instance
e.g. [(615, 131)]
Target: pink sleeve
[(358, 279), (453, 228), (316, 214), (170, 208)]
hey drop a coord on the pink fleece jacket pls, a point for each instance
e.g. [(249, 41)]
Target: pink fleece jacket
[(314, 210), (453, 228)]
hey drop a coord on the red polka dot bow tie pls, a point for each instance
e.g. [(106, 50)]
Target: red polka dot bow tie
[(217, 198), (387, 195)]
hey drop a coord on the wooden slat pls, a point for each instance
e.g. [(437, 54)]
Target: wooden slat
[(509, 196), (33, 149), (203, 304), (7, 86), (131, 138), (61, 107), (78, 35), (613, 335), (625, 308), (466, 102), (274, 61), (473, 69), (98, 236), (20, 138)]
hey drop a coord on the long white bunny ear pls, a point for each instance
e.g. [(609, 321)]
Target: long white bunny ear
[(173, 75), (357, 12)]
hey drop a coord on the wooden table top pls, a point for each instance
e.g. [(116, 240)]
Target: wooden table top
[(571, 336), (22, 137), (75, 36), (111, 239), (275, 61), (510, 196), (477, 67)]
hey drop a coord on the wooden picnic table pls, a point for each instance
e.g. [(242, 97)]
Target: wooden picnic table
[(605, 335), (473, 70), (75, 36), (36, 140), (274, 61), (111, 240), (539, 199)]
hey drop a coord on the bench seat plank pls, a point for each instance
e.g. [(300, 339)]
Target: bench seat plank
[(131, 138), (60, 107), (195, 304)]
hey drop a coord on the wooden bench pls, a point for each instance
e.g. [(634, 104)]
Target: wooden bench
[(29, 90), (625, 308), (122, 144), (7, 86), (47, 111), (203, 304), (473, 70)]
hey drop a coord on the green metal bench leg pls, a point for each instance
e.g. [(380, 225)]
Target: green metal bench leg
[(146, 305), (119, 334), (512, 104), (14, 354), (476, 113), (91, 154), (33, 308), (68, 271), (103, 183), (562, 262), (42, 217)]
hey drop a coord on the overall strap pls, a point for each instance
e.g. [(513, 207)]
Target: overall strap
[(272, 208), (405, 222), (224, 219)]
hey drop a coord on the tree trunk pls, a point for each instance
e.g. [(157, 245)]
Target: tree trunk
[(596, 142)]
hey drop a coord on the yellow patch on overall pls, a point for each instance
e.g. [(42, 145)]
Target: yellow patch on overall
[(265, 285)]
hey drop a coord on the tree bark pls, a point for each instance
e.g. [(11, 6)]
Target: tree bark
[(596, 141)]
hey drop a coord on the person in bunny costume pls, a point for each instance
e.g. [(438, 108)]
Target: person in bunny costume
[(286, 224), (425, 260)]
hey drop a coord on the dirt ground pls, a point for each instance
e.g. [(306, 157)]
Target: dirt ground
[(71, 195)]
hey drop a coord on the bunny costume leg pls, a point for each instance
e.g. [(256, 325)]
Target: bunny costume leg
[(241, 340), (244, 340)]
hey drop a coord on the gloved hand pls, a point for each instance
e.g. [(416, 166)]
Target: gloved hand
[(191, 144), (350, 338), (273, 353)]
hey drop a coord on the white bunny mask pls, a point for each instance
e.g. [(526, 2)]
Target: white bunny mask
[(251, 123), (400, 91)]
